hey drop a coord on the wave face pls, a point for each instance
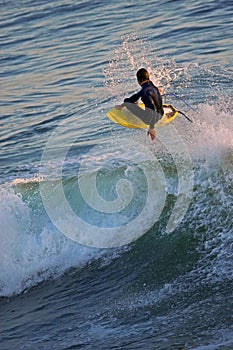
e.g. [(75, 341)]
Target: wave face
[(166, 281), (34, 249)]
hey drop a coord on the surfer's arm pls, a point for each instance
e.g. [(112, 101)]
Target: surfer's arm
[(132, 99), (119, 106)]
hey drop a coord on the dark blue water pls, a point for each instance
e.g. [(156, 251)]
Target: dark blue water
[(109, 240)]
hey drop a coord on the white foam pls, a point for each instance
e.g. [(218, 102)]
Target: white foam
[(31, 248), (213, 131)]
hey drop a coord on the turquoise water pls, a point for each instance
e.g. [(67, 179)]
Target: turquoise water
[(109, 240)]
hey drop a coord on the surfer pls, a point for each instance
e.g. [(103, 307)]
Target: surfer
[(151, 97)]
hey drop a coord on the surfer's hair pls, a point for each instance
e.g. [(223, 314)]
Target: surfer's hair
[(142, 75)]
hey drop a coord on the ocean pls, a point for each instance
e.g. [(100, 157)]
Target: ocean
[(107, 239)]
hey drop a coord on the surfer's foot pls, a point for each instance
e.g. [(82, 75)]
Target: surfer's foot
[(152, 134)]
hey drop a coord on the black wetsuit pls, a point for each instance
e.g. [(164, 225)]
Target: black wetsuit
[(152, 100)]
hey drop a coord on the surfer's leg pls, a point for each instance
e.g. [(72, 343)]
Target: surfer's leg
[(139, 112), (146, 115)]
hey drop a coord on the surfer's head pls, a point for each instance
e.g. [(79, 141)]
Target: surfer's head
[(142, 76)]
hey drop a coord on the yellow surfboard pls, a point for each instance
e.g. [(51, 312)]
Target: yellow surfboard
[(127, 119)]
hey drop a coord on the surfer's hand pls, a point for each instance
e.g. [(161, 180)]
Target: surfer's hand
[(119, 106), (151, 133)]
